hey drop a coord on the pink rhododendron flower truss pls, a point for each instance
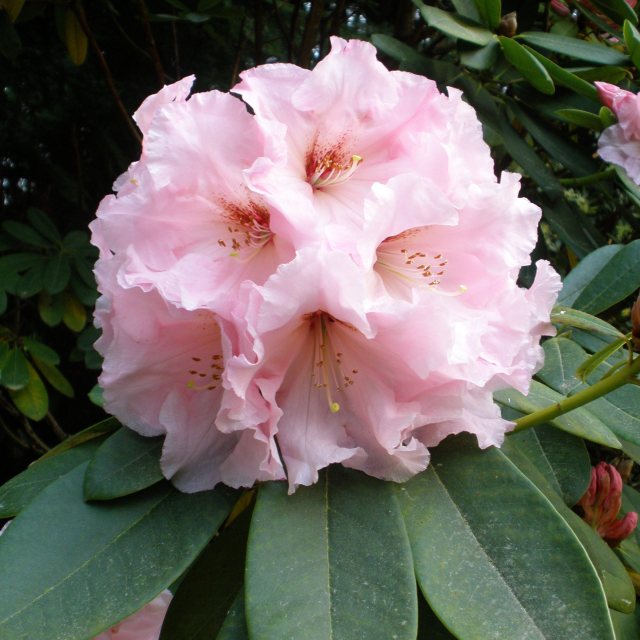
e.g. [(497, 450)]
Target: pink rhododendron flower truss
[(330, 278), (620, 143), (145, 624)]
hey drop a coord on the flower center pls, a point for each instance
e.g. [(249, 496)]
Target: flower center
[(329, 171), (247, 226), (328, 372), (397, 255), (205, 369)]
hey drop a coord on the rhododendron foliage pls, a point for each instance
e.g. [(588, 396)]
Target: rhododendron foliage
[(327, 278)]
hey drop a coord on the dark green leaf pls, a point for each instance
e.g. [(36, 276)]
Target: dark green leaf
[(316, 557), (619, 278), (618, 410), (3, 301), (10, 44), (42, 223), (560, 457), (74, 315), (626, 625), (574, 48), (558, 147), (14, 373), (32, 400), (490, 11), (54, 377), (32, 281), (581, 118), (125, 463), (604, 74), (492, 556), (127, 551), (528, 65), (235, 625), (41, 351), (569, 317), (208, 591), (23, 488), (98, 430), (584, 272), (454, 26), (429, 625), (57, 273), (25, 234), (15, 262), (579, 422), (632, 40), (50, 309), (481, 59), (613, 576)]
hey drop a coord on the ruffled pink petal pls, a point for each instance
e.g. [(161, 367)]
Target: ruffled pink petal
[(176, 92)]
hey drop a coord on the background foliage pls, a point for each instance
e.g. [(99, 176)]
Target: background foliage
[(72, 73)]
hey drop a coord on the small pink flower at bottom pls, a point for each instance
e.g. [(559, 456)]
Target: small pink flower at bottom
[(145, 624), (601, 505)]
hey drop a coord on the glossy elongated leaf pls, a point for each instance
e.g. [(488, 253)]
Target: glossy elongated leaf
[(407, 56), (125, 463), (57, 273), (318, 556), (74, 315), (611, 352), (482, 58), (54, 377), (50, 309), (619, 278), (235, 625), (25, 233), (41, 351), (199, 608), (584, 272), (127, 551), (528, 65), (619, 410), (563, 76), (561, 458), (32, 400), (98, 430), (574, 48), (626, 625), (629, 552), (581, 320), (492, 556), (581, 118), (559, 148), (43, 224), (490, 11), (607, 73), (579, 422), (14, 373), (23, 488), (615, 580), (632, 40), (429, 625), (455, 26)]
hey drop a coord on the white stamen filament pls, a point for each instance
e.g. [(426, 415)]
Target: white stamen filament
[(329, 172)]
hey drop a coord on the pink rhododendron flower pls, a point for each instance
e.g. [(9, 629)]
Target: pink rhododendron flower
[(601, 505), (142, 625), (330, 279), (620, 143)]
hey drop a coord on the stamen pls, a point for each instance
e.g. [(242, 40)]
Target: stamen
[(399, 256), (329, 171), (327, 373), (247, 227)]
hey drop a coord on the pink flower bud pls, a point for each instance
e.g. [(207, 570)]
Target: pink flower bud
[(607, 93), (601, 504)]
